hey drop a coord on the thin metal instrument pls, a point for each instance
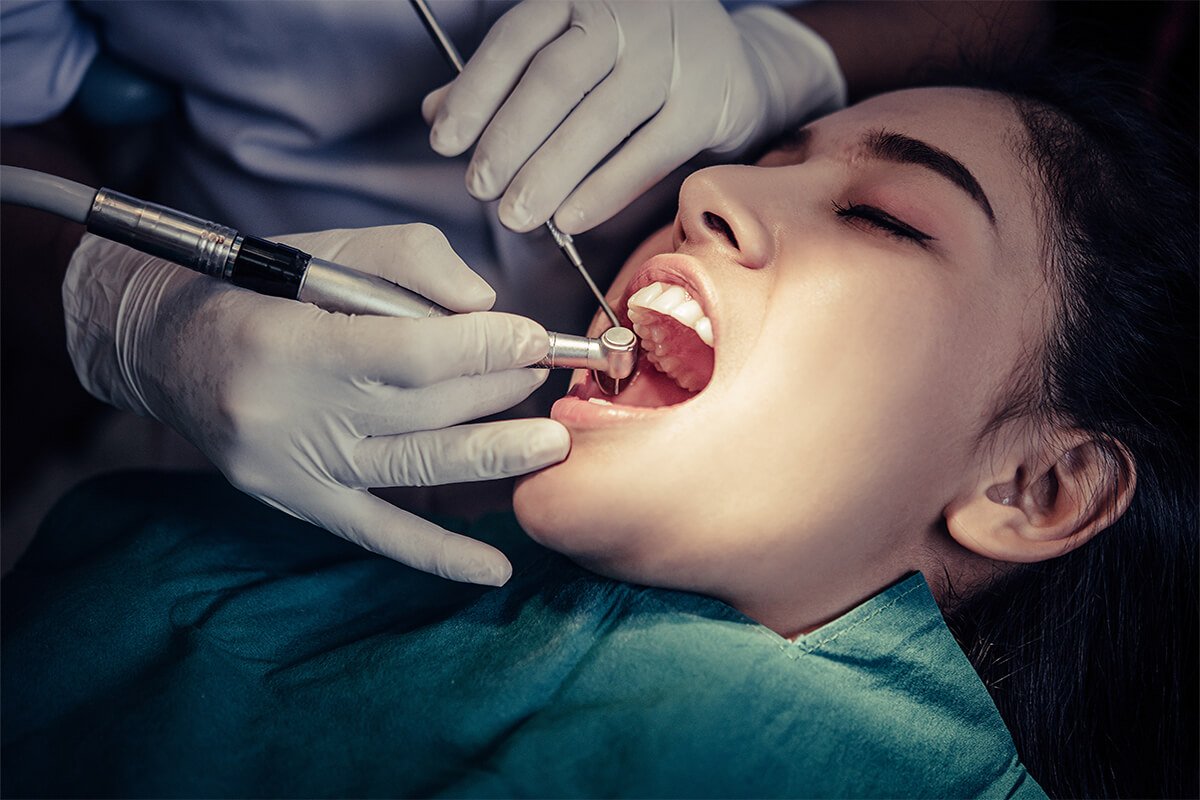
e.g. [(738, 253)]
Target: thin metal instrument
[(564, 241)]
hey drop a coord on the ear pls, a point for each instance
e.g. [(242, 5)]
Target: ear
[(1043, 496)]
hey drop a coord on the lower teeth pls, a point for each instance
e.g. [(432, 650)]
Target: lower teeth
[(652, 336)]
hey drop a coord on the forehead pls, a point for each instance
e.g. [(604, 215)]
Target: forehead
[(972, 121)]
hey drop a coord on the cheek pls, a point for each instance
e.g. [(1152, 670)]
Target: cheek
[(874, 381), (847, 411)]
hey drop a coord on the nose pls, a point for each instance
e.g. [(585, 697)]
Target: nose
[(716, 210)]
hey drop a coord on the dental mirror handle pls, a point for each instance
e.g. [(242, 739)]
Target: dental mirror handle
[(565, 243), (447, 48)]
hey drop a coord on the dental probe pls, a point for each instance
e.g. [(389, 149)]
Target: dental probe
[(564, 241), (272, 268)]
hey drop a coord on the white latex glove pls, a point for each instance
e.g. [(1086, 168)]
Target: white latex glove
[(305, 409), (556, 86)]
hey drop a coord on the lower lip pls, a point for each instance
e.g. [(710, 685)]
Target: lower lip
[(579, 414)]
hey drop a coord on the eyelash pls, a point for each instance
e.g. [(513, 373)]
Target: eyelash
[(882, 221)]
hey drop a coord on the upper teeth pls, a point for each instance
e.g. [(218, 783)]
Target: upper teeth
[(672, 301)]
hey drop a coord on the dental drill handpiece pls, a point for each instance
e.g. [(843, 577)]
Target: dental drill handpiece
[(564, 241), (273, 268)]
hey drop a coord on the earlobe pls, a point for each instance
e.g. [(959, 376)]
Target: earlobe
[(1043, 504)]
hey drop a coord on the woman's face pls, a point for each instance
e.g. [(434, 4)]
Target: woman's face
[(870, 285)]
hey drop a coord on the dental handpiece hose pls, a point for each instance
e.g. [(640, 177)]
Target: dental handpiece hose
[(268, 267)]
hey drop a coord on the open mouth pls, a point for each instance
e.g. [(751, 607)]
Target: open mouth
[(676, 335)]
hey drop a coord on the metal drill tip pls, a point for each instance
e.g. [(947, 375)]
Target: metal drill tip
[(610, 386)]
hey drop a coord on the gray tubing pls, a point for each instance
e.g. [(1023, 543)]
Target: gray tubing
[(27, 187)]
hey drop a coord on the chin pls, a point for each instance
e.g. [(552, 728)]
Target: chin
[(543, 505), (533, 503), (577, 528)]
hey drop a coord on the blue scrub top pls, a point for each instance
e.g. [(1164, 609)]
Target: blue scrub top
[(168, 636)]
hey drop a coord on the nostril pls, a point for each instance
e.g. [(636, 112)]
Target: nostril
[(717, 223)]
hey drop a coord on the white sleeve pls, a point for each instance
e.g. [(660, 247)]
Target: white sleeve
[(45, 50)]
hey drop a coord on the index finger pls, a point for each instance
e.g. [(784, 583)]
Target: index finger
[(493, 71), (414, 255), (419, 352)]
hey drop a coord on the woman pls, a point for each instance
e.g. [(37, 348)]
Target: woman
[(928, 334), (931, 351)]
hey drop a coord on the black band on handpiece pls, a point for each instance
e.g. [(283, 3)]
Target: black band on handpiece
[(269, 267)]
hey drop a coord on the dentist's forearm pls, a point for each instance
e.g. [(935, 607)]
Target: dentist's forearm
[(885, 44)]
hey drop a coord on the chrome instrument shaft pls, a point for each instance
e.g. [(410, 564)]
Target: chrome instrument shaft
[(564, 241), (614, 354)]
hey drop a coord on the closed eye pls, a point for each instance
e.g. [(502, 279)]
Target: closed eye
[(879, 219)]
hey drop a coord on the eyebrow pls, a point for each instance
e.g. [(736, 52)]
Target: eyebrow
[(898, 148)]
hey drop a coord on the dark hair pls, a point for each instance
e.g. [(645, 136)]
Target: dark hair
[(1091, 658)]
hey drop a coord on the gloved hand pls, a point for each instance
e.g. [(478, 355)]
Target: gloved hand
[(555, 86), (304, 409)]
